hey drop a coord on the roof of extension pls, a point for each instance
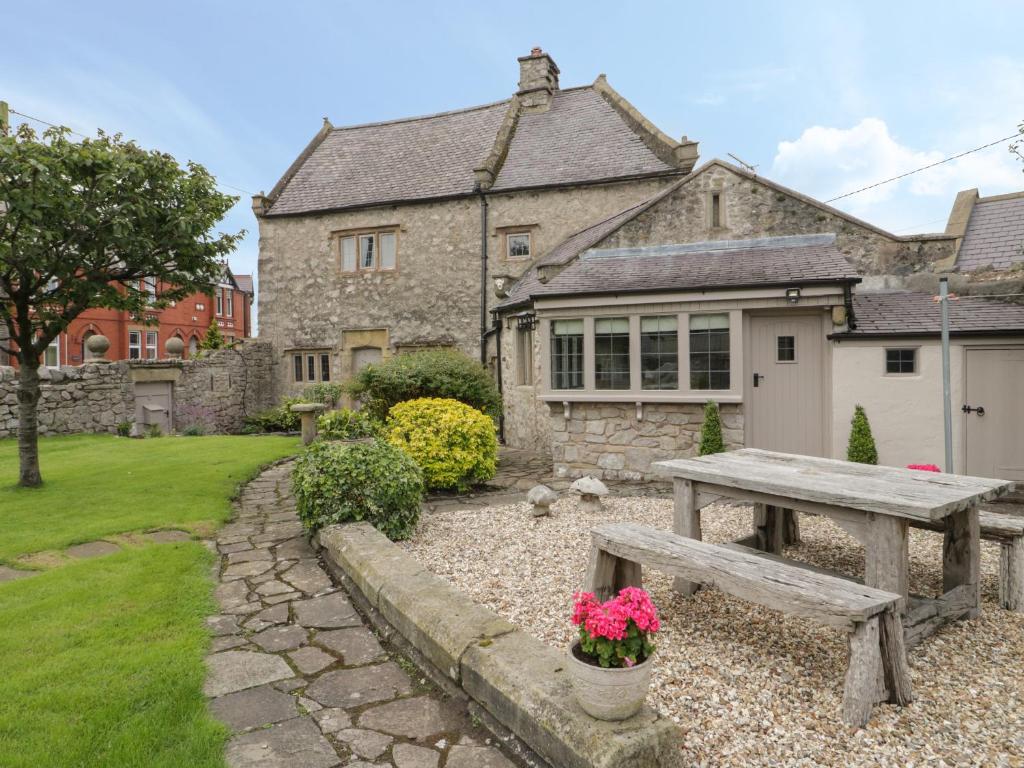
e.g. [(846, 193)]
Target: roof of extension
[(884, 314), (581, 138), (721, 264), (995, 234)]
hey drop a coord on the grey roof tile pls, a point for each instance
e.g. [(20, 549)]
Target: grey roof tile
[(903, 313), (994, 236)]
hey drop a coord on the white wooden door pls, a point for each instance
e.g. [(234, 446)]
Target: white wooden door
[(785, 406), (994, 439)]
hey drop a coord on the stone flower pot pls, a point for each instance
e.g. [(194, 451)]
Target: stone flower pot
[(609, 694)]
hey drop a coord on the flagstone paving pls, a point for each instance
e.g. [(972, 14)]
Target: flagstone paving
[(298, 677)]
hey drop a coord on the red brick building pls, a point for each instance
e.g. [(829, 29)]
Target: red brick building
[(230, 305)]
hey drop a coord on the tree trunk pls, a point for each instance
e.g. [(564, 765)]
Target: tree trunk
[(28, 426)]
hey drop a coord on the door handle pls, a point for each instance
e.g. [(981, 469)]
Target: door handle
[(758, 378), (980, 410)]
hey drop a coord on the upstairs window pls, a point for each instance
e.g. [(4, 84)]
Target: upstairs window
[(220, 302), (659, 352), (375, 251), (134, 345), (229, 301), (149, 288), (517, 245), (611, 353), (901, 361), (567, 354), (709, 351)]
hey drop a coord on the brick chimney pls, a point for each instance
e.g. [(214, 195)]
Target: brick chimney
[(538, 80)]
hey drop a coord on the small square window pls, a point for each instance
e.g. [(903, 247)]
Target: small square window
[(901, 361), (518, 245), (785, 349)]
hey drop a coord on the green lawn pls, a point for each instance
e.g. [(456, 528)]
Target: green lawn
[(99, 485), (102, 659)]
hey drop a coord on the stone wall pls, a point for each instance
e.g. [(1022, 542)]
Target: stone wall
[(754, 208), (433, 297), (527, 422), (607, 440), (217, 391)]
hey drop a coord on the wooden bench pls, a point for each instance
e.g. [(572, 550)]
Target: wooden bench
[(1008, 531), (878, 669)]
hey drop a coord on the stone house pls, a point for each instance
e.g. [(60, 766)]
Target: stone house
[(388, 237)]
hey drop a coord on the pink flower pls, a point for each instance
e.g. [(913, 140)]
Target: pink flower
[(611, 619), (924, 467)]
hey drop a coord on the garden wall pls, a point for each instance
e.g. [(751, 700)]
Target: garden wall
[(610, 441), (216, 391)]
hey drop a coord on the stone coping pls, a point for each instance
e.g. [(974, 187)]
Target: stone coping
[(520, 681), (307, 408)]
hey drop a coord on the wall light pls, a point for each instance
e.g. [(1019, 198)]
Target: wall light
[(792, 295)]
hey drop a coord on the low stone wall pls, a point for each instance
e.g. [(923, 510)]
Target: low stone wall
[(611, 441), (217, 391), (518, 680)]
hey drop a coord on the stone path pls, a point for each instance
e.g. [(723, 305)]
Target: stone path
[(297, 676)]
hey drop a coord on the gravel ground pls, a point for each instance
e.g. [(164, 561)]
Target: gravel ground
[(747, 685)]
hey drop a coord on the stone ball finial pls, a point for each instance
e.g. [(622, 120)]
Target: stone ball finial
[(97, 345), (541, 497), (590, 491), (175, 347)]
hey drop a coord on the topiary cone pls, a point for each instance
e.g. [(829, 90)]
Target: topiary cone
[(861, 447), (711, 430)]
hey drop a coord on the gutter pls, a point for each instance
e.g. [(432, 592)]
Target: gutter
[(495, 331)]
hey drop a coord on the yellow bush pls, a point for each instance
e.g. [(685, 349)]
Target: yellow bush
[(454, 444)]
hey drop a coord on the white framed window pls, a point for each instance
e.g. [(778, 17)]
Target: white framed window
[(134, 345), (220, 302), (388, 250), (51, 355), (200, 307), (517, 245), (368, 251), (229, 302), (149, 288), (152, 341)]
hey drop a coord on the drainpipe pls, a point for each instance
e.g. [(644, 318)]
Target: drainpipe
[(483, 277), (496, 332)]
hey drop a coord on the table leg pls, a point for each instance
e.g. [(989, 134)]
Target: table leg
[(886, 555), (685, 522), (774, 528), (961, 555)]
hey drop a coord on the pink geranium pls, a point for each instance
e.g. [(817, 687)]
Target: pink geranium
[(924, 467), (616, 631)]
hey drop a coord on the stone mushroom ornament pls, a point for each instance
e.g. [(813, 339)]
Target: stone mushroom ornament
[(541, 497), (590, 490)]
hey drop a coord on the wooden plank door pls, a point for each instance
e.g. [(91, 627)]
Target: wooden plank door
[(786, 396), (994, 442)]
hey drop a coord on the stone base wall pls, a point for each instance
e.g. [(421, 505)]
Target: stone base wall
[(217, 391), (608, 441)]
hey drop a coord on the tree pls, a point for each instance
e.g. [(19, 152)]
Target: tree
[(711, 430), (91, 224), (861, 447), (213, 338)]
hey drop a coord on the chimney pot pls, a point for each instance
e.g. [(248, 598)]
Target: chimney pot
[(536, 51)]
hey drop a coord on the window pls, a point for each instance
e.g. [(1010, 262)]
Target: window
[(149, 287), (517, 245), (310, 367), (785, 349), (524, 356), (716, 210), (134, 345), (325, 367), (51, 355), (193, 346), (220, 302), (901, 361), (229, 301), (659, 352), (297, 361), (611, 353), (567, 354), (709, 352), (200, 307), (151, 345), (375, 251)]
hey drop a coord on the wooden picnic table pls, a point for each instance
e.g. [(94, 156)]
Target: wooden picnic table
[(876, 504)]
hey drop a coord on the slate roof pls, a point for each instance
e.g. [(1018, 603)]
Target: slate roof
[(244, 283), (798, 260), (581, 138), (995, 234), (907, 313)]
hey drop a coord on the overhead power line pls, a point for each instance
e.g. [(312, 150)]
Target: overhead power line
[(924, 167), (76, 133)]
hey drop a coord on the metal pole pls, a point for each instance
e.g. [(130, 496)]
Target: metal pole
[(947, 406)]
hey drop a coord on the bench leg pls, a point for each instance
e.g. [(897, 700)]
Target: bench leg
[(1011, 574), (894, 659), (607, 574), (961, 555), (685, 522), (860, 691), (790, 527)]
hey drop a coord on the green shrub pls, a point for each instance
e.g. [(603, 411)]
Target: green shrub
[(454, 444), (194, 430), (861, 447), (344, 424), (277, 419), (213, 338), (124, 428), (153, 430), (430, 373), (326, 393), (711, 430), (372, 481)]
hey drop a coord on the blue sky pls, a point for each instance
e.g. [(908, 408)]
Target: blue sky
[(824, 97)]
